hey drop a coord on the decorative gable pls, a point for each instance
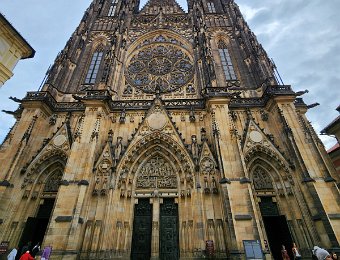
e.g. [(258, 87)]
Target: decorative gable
[(60, 142), (255, 141), (157, 121), (208, 166), (103, 170), (165, 6), (159, 147), (56, 149)]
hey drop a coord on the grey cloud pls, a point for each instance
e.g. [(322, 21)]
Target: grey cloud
[(306, 49)]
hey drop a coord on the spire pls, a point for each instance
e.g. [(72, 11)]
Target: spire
[(166, 6)]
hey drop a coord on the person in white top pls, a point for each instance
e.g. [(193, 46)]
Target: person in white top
[(321, 253)]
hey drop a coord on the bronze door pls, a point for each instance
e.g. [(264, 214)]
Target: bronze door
[(142, 228), (169, 230)]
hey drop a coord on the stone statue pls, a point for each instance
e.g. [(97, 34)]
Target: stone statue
[(118, 149), (194, 148)]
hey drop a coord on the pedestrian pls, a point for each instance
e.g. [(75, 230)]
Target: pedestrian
[(25, 248), (284, 253), (321, 254), (46, 253), (26, 256), (36, 249), (296, 252), (12, 254), (334, 256)]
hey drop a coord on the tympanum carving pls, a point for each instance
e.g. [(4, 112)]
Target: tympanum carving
[(53, 182), (157, 173), (262, 180)]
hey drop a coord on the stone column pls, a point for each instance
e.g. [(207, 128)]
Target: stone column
[(320, 185), (155, 228), (236, 189)]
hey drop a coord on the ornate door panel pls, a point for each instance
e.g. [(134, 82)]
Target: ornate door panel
[(142, 228), (169, 230)]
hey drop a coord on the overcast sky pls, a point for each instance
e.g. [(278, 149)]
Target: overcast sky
[(302, 36)]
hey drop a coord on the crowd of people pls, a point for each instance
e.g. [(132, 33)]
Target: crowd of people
[(318, 253), (27, 252)]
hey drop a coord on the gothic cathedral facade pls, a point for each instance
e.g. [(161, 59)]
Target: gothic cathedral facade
[(165, 134)]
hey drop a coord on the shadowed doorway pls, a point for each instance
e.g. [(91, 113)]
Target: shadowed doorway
[(276, 227), (36, 227)]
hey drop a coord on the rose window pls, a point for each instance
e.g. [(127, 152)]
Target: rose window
[(159, 67)]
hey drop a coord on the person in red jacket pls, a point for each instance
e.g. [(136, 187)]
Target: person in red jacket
[(26, 256)]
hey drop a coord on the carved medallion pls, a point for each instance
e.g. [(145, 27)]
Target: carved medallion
[(255, 136), (157, 121), (59, 140)]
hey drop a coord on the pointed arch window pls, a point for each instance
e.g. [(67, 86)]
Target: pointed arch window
[(94, 67), (113, 8), (227, 66), (211, 7)]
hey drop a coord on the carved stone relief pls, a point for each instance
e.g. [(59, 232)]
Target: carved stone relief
[(262, 180), (157, 173), (53, 182), (207, 166)]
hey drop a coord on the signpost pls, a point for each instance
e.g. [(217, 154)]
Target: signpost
[(4, 247), (209, 248), (253, 249)]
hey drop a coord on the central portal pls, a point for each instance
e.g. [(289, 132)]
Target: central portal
[(155, 226), (168, 233), (169, 230)]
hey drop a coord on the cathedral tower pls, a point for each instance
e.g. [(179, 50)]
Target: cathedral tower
[(165, 134)]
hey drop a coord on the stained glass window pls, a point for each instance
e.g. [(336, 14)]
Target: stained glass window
[(112, 9), (211, 7), (94, 67), (160, 67), (227, 66)]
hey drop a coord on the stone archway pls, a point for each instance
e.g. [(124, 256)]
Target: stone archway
[(154, 171), (162, 145), (267, 184), (158, 177), (41, 194)]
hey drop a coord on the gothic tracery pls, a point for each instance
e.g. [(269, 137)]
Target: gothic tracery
[(159, 66), (53, 182), (157, 173), (262, 180)]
